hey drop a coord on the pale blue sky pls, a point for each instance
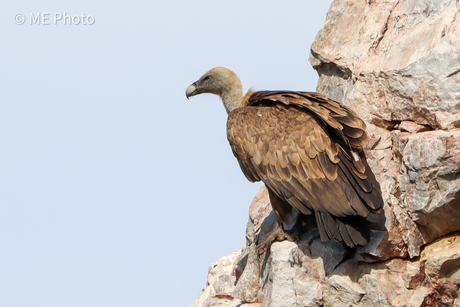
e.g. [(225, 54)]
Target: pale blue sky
[(115, 189)]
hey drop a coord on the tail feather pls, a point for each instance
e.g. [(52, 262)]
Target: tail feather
[(350, 230)]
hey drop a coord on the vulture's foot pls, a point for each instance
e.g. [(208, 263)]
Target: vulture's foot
[(278, 234)]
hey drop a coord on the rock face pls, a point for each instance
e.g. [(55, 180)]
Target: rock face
[(398, 68), (397, 64)]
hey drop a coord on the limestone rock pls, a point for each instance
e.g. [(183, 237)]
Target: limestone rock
[(284, 280), (442, 267), (220, 283), (430, 180), (342, 291), (397, 63), (410, 126), (393, 60), (315, 273)]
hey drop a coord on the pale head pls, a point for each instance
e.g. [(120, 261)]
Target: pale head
[(219, 81)]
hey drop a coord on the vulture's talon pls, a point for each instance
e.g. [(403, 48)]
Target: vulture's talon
[(277, 234)]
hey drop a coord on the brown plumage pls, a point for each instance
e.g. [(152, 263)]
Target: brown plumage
[(307, 149)]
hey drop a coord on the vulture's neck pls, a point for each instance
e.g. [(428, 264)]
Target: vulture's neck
[(232, 96)]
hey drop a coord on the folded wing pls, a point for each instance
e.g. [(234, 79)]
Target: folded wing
[(308, 150)]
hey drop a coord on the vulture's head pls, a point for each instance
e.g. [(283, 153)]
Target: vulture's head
[(219, 81)]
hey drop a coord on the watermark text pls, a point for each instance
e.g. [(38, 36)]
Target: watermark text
[(46, 19)]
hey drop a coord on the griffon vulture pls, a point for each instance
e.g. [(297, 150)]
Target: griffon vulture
[(307, 149)]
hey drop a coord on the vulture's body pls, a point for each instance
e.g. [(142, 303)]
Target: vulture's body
[(307, 149)]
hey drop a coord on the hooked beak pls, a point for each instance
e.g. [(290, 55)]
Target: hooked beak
[(192, 90)]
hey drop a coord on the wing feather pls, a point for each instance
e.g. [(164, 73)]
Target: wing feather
[(308, 151)]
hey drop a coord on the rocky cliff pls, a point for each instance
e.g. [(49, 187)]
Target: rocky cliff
[(397, 64)]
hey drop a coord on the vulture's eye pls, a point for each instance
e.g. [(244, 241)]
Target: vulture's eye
[(207, 79)]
